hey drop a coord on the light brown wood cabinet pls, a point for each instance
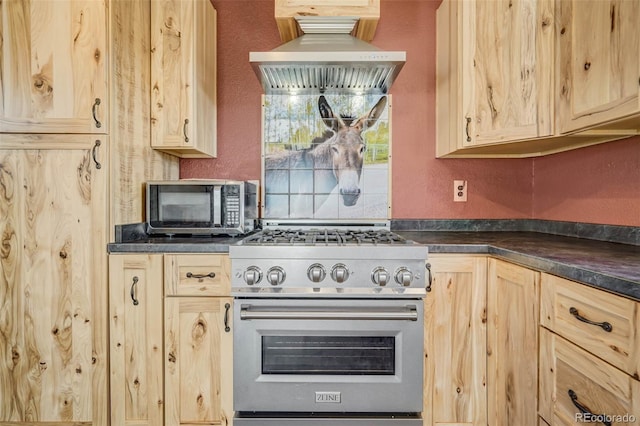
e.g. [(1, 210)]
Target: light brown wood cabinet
[(136, 345), (198, 340), (588, 354), (494, 76), (599, 66), (575, 384), (171, 352), (183, 77), (197, 275), (367, 11), (506, 70), (53, 289), (53, 67), (512, 344), (57, 165), (604, 324), (455, 341)]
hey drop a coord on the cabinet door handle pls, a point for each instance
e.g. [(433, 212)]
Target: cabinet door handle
[(430, 278), (94, 111), (585, 410), (605, 325), (227, 306), (209, 275), (467, 129), (134, 292), (94, 154), (184, 130)]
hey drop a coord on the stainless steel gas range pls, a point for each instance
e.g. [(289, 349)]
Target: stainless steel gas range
[(328, 328)]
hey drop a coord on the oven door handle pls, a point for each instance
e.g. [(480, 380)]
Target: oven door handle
[(319, 314)]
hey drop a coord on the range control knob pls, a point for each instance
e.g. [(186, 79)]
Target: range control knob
[(403, 276), (253, 275), (380, 276), (339, 273), (316, 273), (275, 275)]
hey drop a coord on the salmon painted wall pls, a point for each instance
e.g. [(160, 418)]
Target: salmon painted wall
[(422, 185)]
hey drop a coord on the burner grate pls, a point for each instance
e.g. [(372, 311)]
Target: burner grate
[(323, 237)]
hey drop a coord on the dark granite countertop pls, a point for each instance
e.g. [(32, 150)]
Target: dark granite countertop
[(610, 266), (201, 244)]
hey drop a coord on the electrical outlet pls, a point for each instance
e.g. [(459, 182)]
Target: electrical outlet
[(459, 190)]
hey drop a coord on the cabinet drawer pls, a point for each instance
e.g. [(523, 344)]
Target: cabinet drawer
[(602, 323), (197, 275), (574, 383)]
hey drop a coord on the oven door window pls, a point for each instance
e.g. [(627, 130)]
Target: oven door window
[(338, 355)]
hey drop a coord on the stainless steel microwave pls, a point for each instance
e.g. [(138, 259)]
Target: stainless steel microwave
[(200, 207)]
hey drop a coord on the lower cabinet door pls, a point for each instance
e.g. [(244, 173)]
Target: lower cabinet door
[(198, 361), (455, 342), (512, 344), (135, 308), (578, 388), (53, 286)]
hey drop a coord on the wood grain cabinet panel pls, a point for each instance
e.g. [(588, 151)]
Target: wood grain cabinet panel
[(494, 72), (198, 360), (136, 345), (197, 274), (53, 67), (512, 344), (599, 67), (455, 341), (183, 77), (604, 324), (53, 315), (575, 384), (501, 73), (368, 12)]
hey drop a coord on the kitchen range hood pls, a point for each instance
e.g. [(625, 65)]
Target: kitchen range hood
[(327, 59)]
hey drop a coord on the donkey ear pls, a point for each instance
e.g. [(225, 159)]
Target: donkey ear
[(368, 120), (328, 117)]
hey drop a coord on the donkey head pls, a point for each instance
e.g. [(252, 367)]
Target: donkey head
[(347, 146)]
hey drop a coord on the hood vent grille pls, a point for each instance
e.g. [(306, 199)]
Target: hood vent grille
[(326, 60), (285, 79)]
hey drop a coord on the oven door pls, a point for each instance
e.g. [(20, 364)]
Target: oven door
[(331, 356)]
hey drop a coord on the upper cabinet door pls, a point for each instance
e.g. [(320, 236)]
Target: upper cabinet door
[(507, 69), (599, 61), (183, 77), (53, 66), (494, 73)]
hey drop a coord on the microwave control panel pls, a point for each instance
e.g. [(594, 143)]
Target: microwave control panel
[(232, 206)]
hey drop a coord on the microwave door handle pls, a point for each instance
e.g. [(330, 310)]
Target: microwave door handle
[(318, 314), (217, 205)]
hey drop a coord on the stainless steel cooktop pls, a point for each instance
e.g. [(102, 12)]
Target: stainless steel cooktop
[(326, 262)]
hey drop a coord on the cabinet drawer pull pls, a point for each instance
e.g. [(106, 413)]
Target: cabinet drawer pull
[(209, 275), (94, 112), (467, 129), (585, 410), (184, 130), (134, 299), (605, 325), (94, 154), (227, 306)]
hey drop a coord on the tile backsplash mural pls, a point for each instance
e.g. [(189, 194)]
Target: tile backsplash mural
[(326, 157)]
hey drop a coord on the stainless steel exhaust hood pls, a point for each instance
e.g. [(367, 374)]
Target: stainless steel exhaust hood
[(327, 59)]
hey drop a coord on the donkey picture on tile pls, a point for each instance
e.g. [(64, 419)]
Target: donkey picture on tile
[(336, 157)]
